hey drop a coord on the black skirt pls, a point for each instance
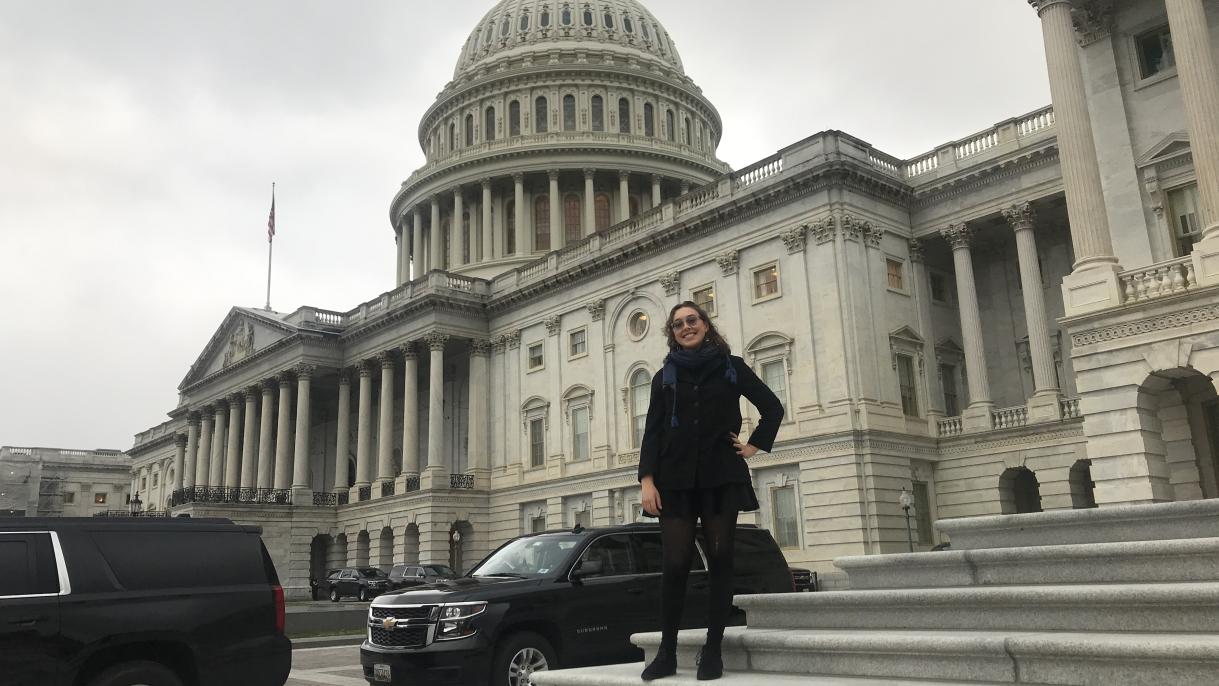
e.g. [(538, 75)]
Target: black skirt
[(705, 502)]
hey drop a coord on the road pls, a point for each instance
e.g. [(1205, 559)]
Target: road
[(327, 667)]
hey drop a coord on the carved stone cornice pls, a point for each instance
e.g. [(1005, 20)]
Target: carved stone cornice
[(958, 235), (436, 341), (872, 235), (514, 340), (823, 231), (916, 250), (553, 324), (499, 344), (854, 229), (795, 238), (1142, 326), (1020, 216), (1093, 20), (671, 282), (480, 347), (729, 262), (596, 309)]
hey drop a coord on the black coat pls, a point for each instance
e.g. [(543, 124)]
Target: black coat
[(698, 453)]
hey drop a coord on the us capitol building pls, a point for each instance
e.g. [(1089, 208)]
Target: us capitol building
[(1023, 319)]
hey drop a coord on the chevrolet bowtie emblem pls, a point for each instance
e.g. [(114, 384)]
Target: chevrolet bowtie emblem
[(389, 623)]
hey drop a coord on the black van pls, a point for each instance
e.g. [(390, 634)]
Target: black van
[(127, 601), (548, 600)]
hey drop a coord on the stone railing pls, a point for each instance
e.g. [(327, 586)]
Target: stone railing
[(136, 513), (1070, 408), (1158, 280), (922, 165), (1004, 136), (1010, 417), (948, 426), (758, 171)]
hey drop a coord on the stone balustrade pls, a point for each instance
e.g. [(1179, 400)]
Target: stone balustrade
[(1158, 280), (1070, 408), (1010, 417), (758, 171), (1005, 136), (949, 426)]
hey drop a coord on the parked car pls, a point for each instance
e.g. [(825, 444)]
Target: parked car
[(315, 584), (803, 580), (541, 601), (406, 576), (362, 583), (121, 602)]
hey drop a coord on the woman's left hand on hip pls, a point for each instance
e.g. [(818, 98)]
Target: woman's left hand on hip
[(743, 449)]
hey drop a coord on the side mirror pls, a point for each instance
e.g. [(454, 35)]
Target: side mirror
[(586, 569)]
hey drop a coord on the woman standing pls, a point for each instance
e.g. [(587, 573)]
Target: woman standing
[(692, 468)]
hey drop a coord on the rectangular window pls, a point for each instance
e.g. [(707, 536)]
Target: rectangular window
[(905, 382), (705, 298), (99, 498), (922, 512), (948, 376), (637, 513), (766, 282), (579, 433), (69, 498), (1155, 51), (577, 343), (537, 524), (155, 480), (893, 271), (786, 520), (774, 375), (939, 287), (537, 442), (1183, 214), (584, 519), (536, 356), (143, 483)]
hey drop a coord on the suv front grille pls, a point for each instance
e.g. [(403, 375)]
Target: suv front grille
[(415, 626), (403, 612), (407, 637)]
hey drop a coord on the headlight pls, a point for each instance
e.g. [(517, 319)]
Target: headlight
[(455, 620)]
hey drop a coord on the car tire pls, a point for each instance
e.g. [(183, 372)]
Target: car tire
[(519, 655), (334, 595), (138, 673), (363, 595)]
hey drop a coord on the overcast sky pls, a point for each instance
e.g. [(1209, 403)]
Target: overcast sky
[(139, 140)]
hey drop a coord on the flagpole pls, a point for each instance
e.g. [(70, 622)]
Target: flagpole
[(270, 243)]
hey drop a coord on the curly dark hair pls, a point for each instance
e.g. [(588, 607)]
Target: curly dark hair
[(713, 335)]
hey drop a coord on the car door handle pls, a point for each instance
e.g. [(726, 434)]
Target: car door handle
[(699, 586), (27, 622), (634, 590)]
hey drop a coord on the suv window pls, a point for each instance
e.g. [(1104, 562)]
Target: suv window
[(27, 565), (614, 553), (651, 558), (144, 560), (753, 550)]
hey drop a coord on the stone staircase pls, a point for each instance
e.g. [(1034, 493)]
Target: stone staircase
[(1117, 596)]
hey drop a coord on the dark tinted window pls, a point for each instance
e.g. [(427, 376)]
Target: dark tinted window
[(614, 553), (171, 559), (27, 565), (650, 553), (755, 550), (371, 573), (334, 575)]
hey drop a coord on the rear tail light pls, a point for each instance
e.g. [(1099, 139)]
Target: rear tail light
[(277, 592)]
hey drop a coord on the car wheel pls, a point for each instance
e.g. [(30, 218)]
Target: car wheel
[(520, 655), (334, 595), (363, 595), (139, 673)]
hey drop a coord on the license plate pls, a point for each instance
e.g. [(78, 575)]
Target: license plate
[(381, 673)]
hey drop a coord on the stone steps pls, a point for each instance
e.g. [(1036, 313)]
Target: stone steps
[(1029, 657), (628, 675), (1183, 607), (1177, 560)]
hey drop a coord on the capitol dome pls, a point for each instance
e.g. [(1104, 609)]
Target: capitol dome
[(563, 118)]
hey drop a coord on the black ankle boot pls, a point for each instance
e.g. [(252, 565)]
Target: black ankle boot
[(664, 664), (710, 662)]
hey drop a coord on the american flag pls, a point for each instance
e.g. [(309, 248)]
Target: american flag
[(271, 217)]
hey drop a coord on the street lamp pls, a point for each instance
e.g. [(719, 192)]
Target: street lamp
[(907, 502), (135, 504)]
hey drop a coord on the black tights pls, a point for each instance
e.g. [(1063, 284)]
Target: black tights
[(677, 534)]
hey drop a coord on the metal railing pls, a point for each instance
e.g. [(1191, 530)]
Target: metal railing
[(129, 513), (365, 493), (461, 481), (387, 489), (224, 495), (322, 499), (412, 483)]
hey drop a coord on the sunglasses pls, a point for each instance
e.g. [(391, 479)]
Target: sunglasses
[(691, 321)]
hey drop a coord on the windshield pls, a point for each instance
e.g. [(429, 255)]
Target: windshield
[(529, 557), (441, 570), (371, 573)]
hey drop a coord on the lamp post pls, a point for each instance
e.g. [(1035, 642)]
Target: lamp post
[(455, 551), (135, 504), (907, 502)]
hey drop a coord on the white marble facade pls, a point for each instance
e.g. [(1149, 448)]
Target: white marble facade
[(994, 325)]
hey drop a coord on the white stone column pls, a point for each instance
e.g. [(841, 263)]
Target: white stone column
[(479, 440), (410, 410), (457, 236), (421, 266), (343, 426), (590, 210), (232, 456), (266, 458), (558, 237), (978, 414), (1044, 405), (655, 190), (624, 195), (436, 460), (1198, 77), (518, 216), (405, 249), (300, 462), (488, 250), (283, 434), (192, 451), (202, 469), (436, 237), (1081, 179), (215, 469), (364, 428), (385, 423), (922, 296), (180, 442), (249, 459)]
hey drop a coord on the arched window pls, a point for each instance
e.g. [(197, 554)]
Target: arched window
[(627, 25), (643, 28), (469, 130), (641, 390), (601, 211), (489, 131), (649, 120), (514, 118), (608, 20), (465, 240), (669, 126), (510, 227), (598, 107), (544, 19), (685, 134), (624, 115), (541, 223), (505, 27), (1019, 491), (571, 218), (588, 16), (565, 16), (540, 116), (524, 23), (569, 113), (490, 33), (452, 136), (634, 203), (1080, 479), (447, 233)]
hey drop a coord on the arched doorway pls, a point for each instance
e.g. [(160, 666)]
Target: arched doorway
[(1080, 479), (362, 549), (385, 549), (1186, 419), (338, 552), (1019, 492), (410, 544), (319, 559), (461, 536)]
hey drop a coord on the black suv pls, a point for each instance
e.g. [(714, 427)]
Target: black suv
[(559, 598), (121, 602), (406, 576), (362, 583)]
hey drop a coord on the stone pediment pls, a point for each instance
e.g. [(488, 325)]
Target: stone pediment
[(1171, 147), (241, 335)]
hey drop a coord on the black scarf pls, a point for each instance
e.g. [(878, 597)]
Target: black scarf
[(696, 361)]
